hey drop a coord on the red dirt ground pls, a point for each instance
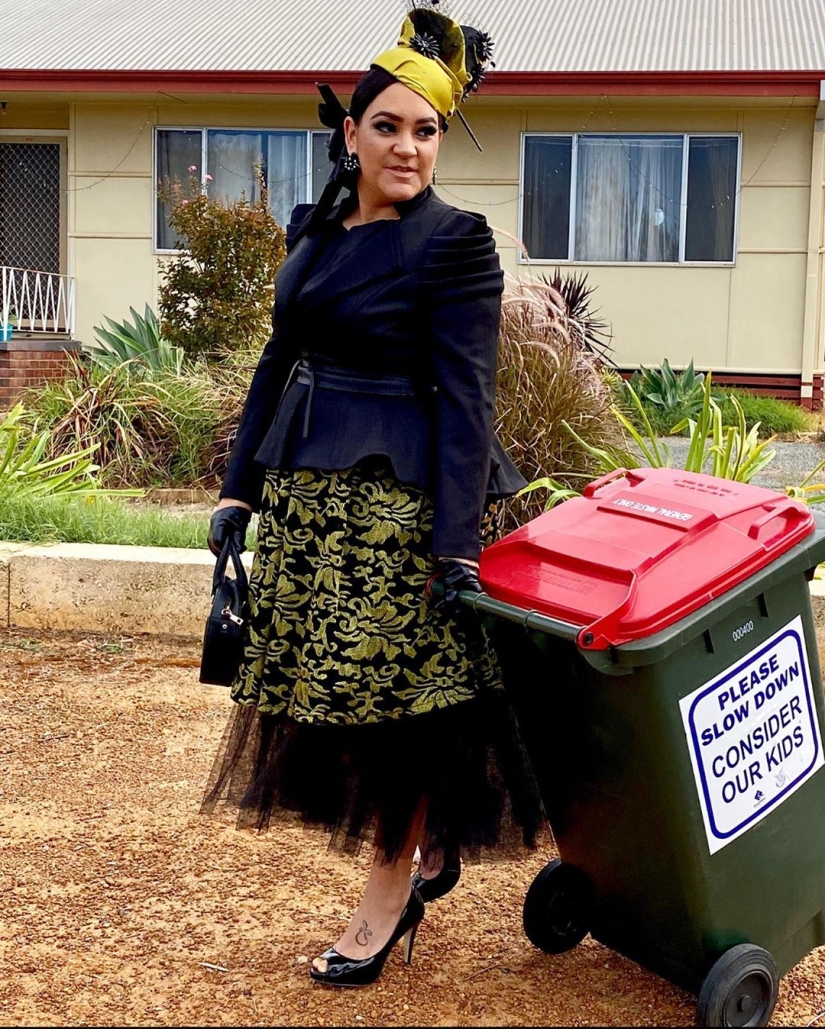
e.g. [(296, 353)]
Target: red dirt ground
[(122, 906)]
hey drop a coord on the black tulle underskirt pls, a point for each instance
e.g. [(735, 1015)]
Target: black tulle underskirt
[(365, 783)]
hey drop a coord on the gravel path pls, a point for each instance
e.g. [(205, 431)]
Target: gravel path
[(121, 906), (793, 461)]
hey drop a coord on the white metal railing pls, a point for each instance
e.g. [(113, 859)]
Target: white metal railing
[(36, 301)]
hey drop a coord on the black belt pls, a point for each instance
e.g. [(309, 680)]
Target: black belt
[(344, 380)]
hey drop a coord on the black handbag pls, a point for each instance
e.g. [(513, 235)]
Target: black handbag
[(223, 637)]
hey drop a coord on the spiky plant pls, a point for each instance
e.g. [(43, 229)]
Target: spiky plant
[(27, 473), (584, 323), (138, 342)]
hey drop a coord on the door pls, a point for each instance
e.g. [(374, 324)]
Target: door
[(30, 206)]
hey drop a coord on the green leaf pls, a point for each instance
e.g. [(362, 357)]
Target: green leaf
[(557, 493), (25, 472)]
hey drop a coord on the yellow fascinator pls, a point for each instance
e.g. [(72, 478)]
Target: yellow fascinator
[(437, 58)]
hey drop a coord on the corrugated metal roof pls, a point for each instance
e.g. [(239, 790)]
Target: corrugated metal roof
[(342, 35)]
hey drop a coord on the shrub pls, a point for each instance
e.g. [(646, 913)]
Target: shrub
[(584, 325), (216, 295), (171, 429), (729, 451), (774, 416), (547, 376)]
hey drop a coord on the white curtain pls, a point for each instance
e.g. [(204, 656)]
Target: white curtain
[(628, 198), (232, 160), (287, 178), (236, 160)]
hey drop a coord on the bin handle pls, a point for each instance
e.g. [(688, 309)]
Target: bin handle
[(483, 603), (617, 473), (779, 509)]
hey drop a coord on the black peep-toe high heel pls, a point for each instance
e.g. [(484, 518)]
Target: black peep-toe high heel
[(343, 971), (441, 884)]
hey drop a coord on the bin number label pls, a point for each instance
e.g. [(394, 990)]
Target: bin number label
[(753, 734), (743, 630)]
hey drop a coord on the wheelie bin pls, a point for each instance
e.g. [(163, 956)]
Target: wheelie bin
[(658, 645)]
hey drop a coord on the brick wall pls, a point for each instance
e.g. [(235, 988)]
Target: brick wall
[(30, 362), (783, 387)]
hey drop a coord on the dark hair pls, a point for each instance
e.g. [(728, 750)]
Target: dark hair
[(371, 85)]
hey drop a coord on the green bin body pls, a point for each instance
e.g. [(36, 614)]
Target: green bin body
[(611, 745)]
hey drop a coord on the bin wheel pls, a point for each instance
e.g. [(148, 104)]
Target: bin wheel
[(741, 988), (558, 908)]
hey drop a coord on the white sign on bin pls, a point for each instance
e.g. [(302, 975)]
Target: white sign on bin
[(753, 735)]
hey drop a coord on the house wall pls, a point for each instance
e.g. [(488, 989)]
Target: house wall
[(745, 318), (748, 317)]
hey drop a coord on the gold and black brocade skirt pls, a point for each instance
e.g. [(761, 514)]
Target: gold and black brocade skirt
[(356, 700)]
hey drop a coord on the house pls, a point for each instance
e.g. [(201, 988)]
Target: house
[(673, 149)]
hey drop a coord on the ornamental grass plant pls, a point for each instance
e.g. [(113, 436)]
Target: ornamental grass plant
[(548, 376), (775, 417), (166, 429)]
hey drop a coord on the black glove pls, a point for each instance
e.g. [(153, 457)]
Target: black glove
[(455, 576), (225, 522)]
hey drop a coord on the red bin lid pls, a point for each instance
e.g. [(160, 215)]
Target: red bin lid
[(640, 550)]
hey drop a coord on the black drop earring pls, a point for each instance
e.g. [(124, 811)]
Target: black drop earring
[(350, 170), (435, 174)]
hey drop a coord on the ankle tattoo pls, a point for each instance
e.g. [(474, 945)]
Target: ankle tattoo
[(362, 937)]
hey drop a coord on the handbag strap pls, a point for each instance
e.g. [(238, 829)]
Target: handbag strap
[(229, 550)]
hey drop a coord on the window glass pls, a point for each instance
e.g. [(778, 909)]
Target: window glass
[(711, 198), (321, 166), (628, 198), (238, 160), (629, 193), (177, 152), (286, 173), (546, 211), (235, 161)]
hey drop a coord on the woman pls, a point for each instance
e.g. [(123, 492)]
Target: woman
[(364, 706)]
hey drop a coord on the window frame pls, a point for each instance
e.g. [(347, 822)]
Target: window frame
[(521, 257), (204, 131)]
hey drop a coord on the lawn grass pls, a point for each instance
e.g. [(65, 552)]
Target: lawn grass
[(774, 416), (99, 520)]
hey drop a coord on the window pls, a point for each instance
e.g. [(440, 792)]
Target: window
[(627, 198), (293, 164)]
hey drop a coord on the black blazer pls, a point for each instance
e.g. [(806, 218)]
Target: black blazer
[(418, 297)]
